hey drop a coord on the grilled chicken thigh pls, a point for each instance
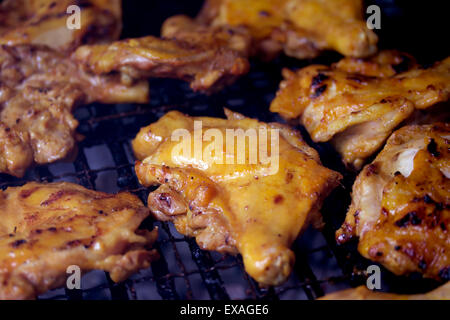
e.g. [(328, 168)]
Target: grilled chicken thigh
[(46, 22), (362, 293), (401, 204), (39, 88), (356, 104), (208, 59), (253, 207), (300, 28), (45, 228)]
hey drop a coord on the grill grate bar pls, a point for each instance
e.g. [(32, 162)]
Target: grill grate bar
[(211, 278)]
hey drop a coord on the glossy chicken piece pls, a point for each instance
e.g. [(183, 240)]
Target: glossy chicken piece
[(45, 22), (45, 228), (358, 111), (38, 92), (300, 28), (255, 208), (400, 204), (362, 293), (207, 58)]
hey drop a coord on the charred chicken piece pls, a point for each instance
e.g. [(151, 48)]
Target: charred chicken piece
[(45, 22), (208, 58), (300, 28), (45, 228), (400, 207), (362, 293), (253, 207), (38, 92), (356, 104)]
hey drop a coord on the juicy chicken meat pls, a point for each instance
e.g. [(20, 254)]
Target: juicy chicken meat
[(39, 88), (356, 104), (362, 293), (300, 28), (45, 22), (207, 58), (45, 228), (401, 204), (249, 207)]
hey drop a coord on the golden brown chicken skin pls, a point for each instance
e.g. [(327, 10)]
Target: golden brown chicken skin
[(45, 228), (401, 204), (362, 293), (39, 88), (205, 60), (356, 104), (300, 28), (235, 207), (45, 22)]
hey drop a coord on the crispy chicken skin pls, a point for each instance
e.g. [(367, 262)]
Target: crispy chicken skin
[(401, 204), (362, 293), (207, 58), (45, 22), (300, 28), (45, 228), (235, 208), (39, 88), (356, 104)]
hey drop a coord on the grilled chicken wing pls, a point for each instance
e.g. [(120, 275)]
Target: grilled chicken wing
[(45, 22), (244, 206), (45, 228), (356, 104), (208, 59), (362, 293), (39, 88), (302, 28), (401, 204)]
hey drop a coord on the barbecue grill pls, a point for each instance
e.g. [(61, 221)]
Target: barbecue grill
[(105, 162)]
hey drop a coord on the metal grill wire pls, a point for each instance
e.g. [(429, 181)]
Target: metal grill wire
[(105, 163)]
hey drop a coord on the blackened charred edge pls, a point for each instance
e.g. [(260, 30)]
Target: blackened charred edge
[(318, 79), (318, 91), (18, 243), (409, 218), (165, 199), (432, 149)]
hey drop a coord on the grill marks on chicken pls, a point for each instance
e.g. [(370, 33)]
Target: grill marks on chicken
[(44, 22), (207, 58), (356, 104), (401, 204), (38, 92), (235, 208), (45, 228), (300, 28)]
